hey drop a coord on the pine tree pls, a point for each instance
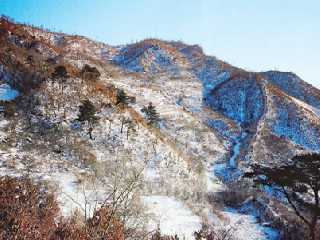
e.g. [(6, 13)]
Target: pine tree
[(60, 72), (122, 97), (90, 73), (151, 114), (295, 180), (131, 128), (87, 113)]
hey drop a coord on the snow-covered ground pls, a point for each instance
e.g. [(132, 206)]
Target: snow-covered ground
[(73, 196), (247, 227), (166, 168), (316, 111), (3, 124), (243, 221), (228, 172), (171, 216), (176, 105)]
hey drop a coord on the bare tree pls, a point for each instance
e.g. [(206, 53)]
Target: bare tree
[(115, 185)]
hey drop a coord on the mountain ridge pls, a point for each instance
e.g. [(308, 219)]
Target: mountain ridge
[(216, 119)]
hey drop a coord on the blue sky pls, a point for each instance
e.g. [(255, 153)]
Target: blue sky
[(253, 34)]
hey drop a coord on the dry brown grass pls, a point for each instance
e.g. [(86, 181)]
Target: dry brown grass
[(29, 211)]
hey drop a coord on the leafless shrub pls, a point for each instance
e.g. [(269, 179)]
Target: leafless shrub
[(29, 211), (100, 226), (215, 233), (26, 210)]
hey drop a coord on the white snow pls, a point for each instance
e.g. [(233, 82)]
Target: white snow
[(246, 227), (228, 172), (7, 93), (172, 217), (317, 111), (236, 149), (151, 174), (3, 132), (68, 196), (73, 196), (3, 123), (314, 110)]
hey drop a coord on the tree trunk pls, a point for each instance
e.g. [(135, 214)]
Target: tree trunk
[(316, 197), (312, 234), (313, 227), (122, 123), (90, 132), (314, 221)]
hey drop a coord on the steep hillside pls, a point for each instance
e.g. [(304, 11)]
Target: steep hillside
[(152, 56), (215, 120), (238, 95), (294, 86), (240, 99)]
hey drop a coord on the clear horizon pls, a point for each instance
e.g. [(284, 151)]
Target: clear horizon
[(254, 35)]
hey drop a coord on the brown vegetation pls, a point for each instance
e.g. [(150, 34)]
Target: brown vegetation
[(29, 211), (89, 73)]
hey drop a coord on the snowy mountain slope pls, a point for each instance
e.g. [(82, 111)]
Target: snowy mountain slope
[(151, 56), (229, 90), (294, 86), (53, 149), (291, 120), (216, 119), (239, 99)]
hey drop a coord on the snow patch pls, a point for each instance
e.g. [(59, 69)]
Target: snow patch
[(72, 196), (314, 110), (247, 227)]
